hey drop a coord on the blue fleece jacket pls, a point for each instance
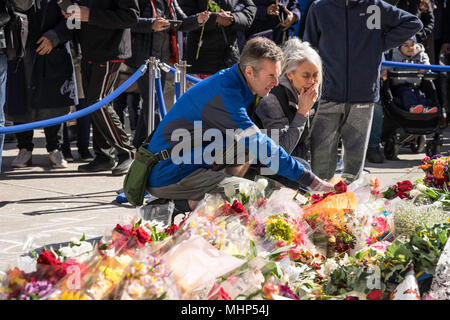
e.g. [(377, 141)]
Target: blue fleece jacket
[(219, 102), (351, 36)]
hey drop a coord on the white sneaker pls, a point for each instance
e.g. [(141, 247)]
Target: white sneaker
[(22, 160), (57, 160)]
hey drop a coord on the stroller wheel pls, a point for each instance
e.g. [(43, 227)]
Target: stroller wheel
[(391, 149), (418, 145)]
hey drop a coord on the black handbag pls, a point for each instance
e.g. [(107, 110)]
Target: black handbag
[(16, 33)]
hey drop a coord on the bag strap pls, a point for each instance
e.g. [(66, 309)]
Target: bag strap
[(160, 156)]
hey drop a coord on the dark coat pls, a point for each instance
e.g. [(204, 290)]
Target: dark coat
[(145, 42), (350, 51), (216, 52), (42, 82), (264, 22), (107, 35)]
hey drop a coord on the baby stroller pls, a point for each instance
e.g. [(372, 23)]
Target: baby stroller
[(402, 128)]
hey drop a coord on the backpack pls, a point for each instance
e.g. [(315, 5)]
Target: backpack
[(16, 32)]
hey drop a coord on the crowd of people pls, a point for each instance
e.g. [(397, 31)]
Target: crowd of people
[(308, 68)]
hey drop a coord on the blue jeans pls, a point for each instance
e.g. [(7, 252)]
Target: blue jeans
[(377, 125), (3, 69)]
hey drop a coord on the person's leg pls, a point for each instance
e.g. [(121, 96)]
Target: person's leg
[(3, 74), (133, 103), (83, 133), (105, 120), (119, 105), (374, 153), (52, 138), (25, 139), (197, 184), (325, 133), (355, 138), (25, 146)]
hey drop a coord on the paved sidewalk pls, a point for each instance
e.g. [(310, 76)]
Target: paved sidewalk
[(41, 206)]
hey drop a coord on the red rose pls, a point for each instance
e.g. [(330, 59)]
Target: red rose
[(48, 258), (171, 230), (401, 195), (328, 194), (375, 295), (226, 208), (125, 230), (142, 236), (316, 198), (340, 187), (237, 207), (404, 186), (351, 298)]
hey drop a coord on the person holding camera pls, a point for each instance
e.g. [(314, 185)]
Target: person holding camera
[(216, 47), (274, 18), (105, 40), (155, 36)]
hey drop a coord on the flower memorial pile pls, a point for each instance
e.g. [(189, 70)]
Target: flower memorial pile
[(352, 243)]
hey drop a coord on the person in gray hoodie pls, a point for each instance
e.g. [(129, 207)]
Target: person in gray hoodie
[(351, 36)]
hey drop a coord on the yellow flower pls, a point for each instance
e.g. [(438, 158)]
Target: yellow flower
[(70, 296)]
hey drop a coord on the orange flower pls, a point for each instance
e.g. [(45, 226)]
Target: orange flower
[(438, 171), (375, 183), (425, 166)]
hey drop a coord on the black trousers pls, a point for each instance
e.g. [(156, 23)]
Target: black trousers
[(142, 124), (52, 138), (108, 133)]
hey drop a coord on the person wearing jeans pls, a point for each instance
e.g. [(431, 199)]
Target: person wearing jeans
[(374, 153), (351, 47)]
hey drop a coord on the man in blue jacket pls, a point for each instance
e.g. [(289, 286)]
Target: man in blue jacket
[(217, 107), (351, 36)]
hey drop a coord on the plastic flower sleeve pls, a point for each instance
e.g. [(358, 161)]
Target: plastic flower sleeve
[(408, 289), (194, 263)]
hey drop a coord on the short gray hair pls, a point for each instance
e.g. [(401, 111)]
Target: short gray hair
[(257, 49), (297, 52)]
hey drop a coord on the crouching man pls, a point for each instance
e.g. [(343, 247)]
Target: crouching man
[(212, 120)]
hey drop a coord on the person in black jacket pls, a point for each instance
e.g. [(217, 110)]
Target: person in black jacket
[(219, 48), (40, 85), (151, 37), (106, 43), (276, 16)]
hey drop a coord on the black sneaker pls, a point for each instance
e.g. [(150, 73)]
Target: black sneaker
[(85, 155), (122, 166), (374, 154), (67, 154), (97, 165)]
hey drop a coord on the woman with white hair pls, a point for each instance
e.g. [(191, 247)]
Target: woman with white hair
[(285, 111)]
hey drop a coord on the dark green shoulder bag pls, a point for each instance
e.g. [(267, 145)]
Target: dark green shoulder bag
[(136, 179)]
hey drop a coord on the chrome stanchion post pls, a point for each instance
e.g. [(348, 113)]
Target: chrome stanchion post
[(177, 81), (152, 67), (183, 69)]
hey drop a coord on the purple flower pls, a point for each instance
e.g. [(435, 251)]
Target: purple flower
[(38, 288), (285, 291), (436, 156)]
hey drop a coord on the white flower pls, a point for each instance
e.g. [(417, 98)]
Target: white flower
[(421, 187), (66, 252), (261, 184), (414, 193), (329, 266), (244, 187), (230, 190)]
